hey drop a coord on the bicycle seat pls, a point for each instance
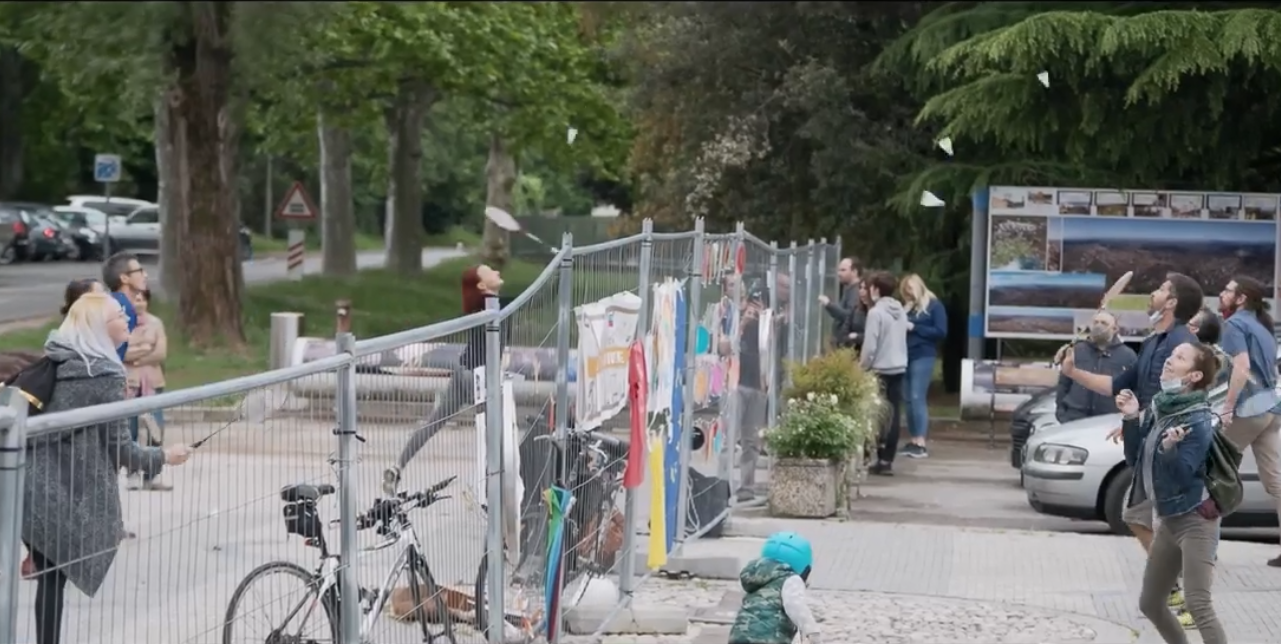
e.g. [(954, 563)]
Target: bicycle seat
[(304, 492)]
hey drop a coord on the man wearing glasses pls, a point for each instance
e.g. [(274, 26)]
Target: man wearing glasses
[(125, 279)]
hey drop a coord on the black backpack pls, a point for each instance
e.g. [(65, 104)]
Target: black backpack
[(35, 383)]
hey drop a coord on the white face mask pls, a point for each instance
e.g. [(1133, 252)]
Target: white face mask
[(1172, 386), (1155, 317)]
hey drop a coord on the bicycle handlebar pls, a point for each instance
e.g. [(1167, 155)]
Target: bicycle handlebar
[(385, 509)]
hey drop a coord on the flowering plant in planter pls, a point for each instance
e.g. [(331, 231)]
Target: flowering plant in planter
[(816, 427)]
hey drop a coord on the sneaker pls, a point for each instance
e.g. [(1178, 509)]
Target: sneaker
[(1275, 562), (882, 468), (156, 485), (916, 451), (1176, 599), (1185, 620), (745, 495), (133, 482)]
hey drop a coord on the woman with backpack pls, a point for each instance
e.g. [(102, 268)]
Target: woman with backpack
[(1171, 468), (71, 519)]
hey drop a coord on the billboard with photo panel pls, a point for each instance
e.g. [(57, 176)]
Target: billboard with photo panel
[(1052, 252)]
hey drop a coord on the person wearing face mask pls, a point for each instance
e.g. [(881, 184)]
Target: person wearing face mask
[(1177, 431), (1250, 417), (1177, 301), (1103, 353)]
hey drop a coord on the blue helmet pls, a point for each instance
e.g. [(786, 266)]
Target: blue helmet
[(790, 549)]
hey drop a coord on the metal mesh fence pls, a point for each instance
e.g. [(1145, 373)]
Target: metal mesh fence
[(347, 499)]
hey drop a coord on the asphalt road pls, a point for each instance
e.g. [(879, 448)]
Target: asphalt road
[(30, 290)]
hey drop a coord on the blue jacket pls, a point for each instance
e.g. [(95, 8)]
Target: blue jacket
[(1178, 474), (928, 329), (1145, 379), (131, 314)]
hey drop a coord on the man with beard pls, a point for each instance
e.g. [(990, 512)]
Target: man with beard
[(1250, 417), (848, 316), (1170, 308), (1104, 354)]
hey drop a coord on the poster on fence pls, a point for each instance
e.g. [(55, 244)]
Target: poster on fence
[(664, 362), (513, 487), (606, 329)]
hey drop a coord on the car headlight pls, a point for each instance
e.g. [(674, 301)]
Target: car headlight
[(1059, 454)]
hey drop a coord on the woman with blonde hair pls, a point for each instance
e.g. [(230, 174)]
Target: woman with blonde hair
[(926, 327), (71, 518)]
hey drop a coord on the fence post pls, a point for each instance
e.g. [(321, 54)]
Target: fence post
[(564, 320), (348, 549), (772, 285), (820, 289), (493, 473), (791, 313), (13, 462), (811, 297), (732, 397), (627, 567), (693, 314)]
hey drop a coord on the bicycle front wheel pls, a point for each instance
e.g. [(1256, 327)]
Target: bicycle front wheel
[(288, 614)]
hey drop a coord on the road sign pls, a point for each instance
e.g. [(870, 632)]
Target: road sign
[(106, 168), (297, 206)]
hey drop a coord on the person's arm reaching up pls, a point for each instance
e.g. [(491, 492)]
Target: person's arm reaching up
[(796, 605), (1099, 383)]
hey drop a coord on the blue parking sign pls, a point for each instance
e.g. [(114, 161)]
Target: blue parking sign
[(106, 168)]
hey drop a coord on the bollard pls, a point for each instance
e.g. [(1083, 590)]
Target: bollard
[(342, 309), (286, 328)]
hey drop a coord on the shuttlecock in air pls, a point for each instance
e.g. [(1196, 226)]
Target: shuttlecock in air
[(1044, 77), (930, 200), (571, 135), (945, 144)]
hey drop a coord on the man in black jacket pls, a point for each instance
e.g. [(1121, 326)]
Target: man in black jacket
[(849, 316)]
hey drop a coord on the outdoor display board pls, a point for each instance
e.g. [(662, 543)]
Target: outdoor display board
[(1052, 252)]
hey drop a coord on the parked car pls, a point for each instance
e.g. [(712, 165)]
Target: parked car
[(139, 233), (55, 229), (1072, 470), (88, 229), (116, 207), (36, 234), (1023, 421)]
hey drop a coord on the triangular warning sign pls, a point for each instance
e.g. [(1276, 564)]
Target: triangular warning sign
[(296, 205)]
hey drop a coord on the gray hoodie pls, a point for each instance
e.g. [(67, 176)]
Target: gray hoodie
[(885, 338)]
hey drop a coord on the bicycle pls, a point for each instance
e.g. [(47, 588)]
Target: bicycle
[(391, 517), (595, 479)]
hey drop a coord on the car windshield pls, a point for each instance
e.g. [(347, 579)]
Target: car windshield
[(83, 217)]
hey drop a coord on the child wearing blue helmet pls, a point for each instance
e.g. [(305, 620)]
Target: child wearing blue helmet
[(775, 607)]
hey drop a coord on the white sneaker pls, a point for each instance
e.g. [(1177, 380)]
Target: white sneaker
[(133, 482)]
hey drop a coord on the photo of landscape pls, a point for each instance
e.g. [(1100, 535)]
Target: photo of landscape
[(1074, 202), (1186, 206), (1148, 204), (1111, 204), (1028, 322), (1054, 244), (1045, 289), (1017, 243), (1261, 207), (1223, 206), (1210, 251)]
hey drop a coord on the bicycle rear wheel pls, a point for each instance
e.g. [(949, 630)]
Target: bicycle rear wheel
[(301, 619)]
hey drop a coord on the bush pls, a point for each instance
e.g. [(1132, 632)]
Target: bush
[(816, 427), (858, 392)]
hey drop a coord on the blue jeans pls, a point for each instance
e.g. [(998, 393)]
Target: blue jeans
[(158, 415), (916, 390)]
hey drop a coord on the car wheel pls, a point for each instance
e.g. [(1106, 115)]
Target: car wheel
[(9, 255), (1114, 498)]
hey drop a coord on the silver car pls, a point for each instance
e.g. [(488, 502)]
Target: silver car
[(1072, 470)]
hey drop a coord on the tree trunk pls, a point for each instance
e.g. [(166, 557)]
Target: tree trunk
[(12, 91), (211, 281), (171, 193), (500, 186), (405, 128), (338, 217)]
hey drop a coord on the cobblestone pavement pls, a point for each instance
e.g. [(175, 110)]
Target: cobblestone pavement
[(925, 584)]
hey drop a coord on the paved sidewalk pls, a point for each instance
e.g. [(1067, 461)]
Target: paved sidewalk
[(987, 585)]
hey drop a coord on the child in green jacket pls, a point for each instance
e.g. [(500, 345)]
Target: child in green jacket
[(775, 607)]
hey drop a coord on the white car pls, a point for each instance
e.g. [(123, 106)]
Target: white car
[(1072, 470), (116, 207)]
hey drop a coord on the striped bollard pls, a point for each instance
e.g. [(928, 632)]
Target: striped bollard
[(297, 253)]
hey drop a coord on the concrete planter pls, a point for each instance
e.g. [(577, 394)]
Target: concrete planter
[(806, 488)]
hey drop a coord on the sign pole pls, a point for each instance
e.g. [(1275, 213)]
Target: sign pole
[(106, 170), (296, 209)]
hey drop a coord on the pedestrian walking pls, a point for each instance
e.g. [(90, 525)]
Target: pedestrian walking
[(1250, 417), (1170, 472), (885, 354), (71, 519), (926, 328), (477, 284), (753, 397)]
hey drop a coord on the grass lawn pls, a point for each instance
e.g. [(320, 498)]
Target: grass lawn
[(382, 303), (448, 239)]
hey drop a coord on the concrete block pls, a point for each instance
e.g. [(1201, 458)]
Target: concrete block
[(711, 634), (636, 620), (712, 559)]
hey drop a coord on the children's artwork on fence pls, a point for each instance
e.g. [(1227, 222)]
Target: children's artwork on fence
[(606, 329), (672, 448), (661, 352), (662, 368)]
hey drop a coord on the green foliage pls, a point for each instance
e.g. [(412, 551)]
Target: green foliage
[(816, 427), (837, 373)]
